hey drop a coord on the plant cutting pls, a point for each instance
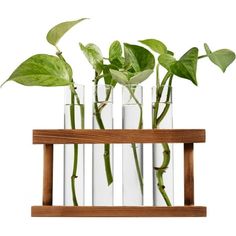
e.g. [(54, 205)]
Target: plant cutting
[(185, 68), (132, 68), (138, 65), (102, 119), (50, 71), (95, 58)]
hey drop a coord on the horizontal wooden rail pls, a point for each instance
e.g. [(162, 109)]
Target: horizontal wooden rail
[(62, 136), (118, 211)]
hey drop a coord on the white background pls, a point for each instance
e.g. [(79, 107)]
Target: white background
[(180, 24)]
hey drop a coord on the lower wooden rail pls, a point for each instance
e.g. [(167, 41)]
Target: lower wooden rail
[(50, 137), (118, 211)]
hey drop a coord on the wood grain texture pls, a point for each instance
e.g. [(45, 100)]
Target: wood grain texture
[(116, 211), (48, 174), (188, 174), (118, 136)]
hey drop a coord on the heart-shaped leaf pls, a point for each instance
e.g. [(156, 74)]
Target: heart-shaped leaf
[(140, 77), (119, 76), (42, 70), (115, 51), (55, 34), (186, 66), (138, 57), (155, 45), (222, 58), (166, 60), (94, 56), (115, 54)]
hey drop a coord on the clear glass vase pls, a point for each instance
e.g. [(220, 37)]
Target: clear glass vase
[(74, 153), (163, 178), (102, 153), (132, 154)]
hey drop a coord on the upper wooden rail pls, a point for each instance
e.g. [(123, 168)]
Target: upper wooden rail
[(68, 136)]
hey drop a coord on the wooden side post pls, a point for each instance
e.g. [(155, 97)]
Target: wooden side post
[(188, 174), (47, 174)]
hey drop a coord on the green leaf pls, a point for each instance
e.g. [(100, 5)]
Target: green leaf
[(186, 66), (222, 58), (155, 45), (42, 70), (118, 63), (115, 54), (107, 76), (119, 76), (94, 56), (207, 49), (55, 34), (138, 57), (140, 77), (166, 60), (115, 51)]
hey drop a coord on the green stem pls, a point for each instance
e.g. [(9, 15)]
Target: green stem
[(157, 75), (106, 154), (163, 114), (156, 104), (202, 56), (138, 169), (166, 150), (74, 176), (73, 126), (140, 126), (107, 163), (103, 104), (167, 102), (161, 170), (73, 91), (159, 91)]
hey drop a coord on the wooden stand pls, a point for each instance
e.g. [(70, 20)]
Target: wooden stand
[(50, 137)]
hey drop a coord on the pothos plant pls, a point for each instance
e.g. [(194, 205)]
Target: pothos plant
[(128, 66), (50, 71), (185, 68)]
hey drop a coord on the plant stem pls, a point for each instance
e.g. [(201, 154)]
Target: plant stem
[(133, 145), (73, 126), (167, 104), (156, 104), (202, 56), (156, 122), (159, 91), (106, 154), (73, 91), (107, 163), (161, 170), (138, 169), (157, 76), (140, 125), (74, 176), (103, 104)]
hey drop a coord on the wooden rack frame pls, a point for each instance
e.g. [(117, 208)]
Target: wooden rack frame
[(185, 136)]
